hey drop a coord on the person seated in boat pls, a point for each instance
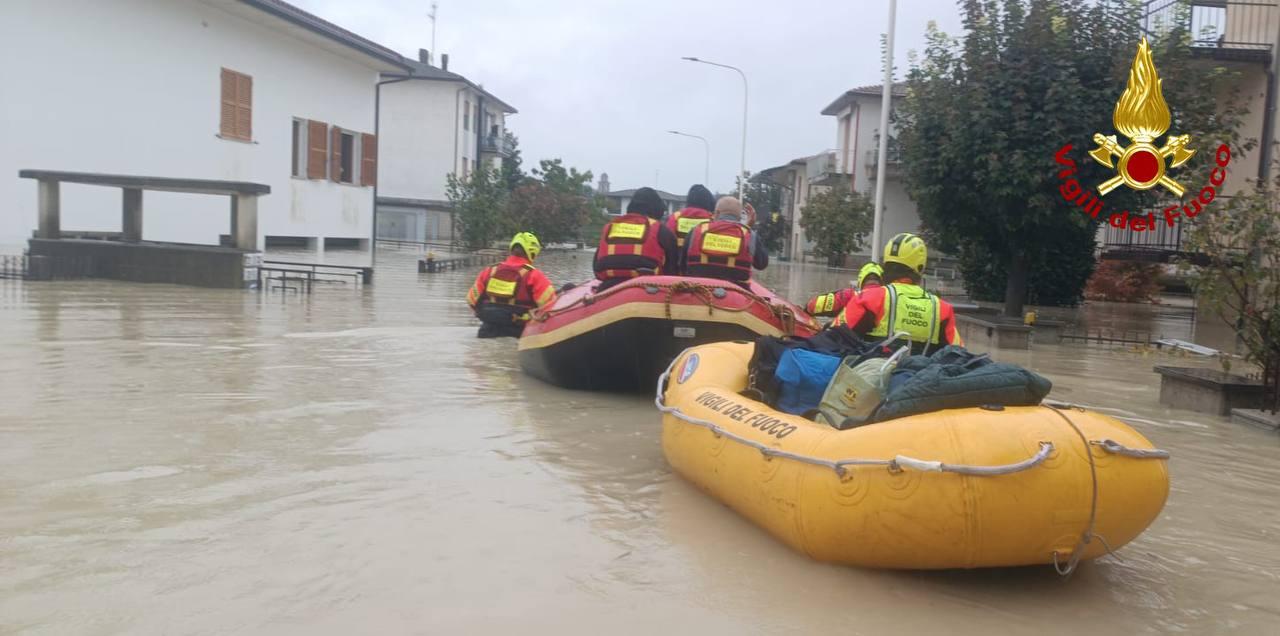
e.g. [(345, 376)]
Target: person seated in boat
[(902, 305), (699, 204), (832, 303), (725, 247), (636, 243), (504, 293)]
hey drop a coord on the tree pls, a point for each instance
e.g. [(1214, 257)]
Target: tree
[(1240, 280), (480, 206), (554, 203), (838, 220), (985, 114)]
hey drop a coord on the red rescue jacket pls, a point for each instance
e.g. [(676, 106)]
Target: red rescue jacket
[(683, 222), (720, 249), (629, 247)]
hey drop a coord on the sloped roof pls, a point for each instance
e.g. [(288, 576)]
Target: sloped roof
[(427, 71), (899, 90), (666, 196), (322, 27)]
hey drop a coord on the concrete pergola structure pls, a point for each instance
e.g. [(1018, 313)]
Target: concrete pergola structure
[(244, 201)]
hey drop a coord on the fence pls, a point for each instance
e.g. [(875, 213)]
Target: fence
[(302, 278), (26, 267)]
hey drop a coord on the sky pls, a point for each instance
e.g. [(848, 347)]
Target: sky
[(598, 83)]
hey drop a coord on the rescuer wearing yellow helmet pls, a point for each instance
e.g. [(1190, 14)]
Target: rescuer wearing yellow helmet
[(504, 293), (832, 303), (903, 305)]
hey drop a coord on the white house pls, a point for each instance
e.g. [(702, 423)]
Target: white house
[(618, 200), (800, 179), (432, 123), (857, 114), (243, 90)]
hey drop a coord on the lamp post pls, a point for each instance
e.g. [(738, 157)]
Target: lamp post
[(742, 174), (886, 91), (706, 164)]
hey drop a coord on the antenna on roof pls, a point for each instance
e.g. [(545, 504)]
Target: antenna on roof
[(432, 15)]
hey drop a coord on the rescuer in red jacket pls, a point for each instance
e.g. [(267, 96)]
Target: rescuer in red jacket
[(636, 243), (699, 204), (504, 293), (832, 303), (725, 248), (903, 306)]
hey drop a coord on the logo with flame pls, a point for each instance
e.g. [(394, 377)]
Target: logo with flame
[(1142, 115)]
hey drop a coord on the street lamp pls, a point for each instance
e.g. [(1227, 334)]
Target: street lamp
[(886, 92), (742, 174), (706, 167)]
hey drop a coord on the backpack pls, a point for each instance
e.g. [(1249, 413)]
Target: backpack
[(802, 376)]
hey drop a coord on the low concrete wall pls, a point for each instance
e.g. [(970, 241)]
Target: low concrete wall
[(1207, 391), (143, 262), (991, 334)]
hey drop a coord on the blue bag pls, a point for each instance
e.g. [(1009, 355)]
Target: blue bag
[(802, 377)]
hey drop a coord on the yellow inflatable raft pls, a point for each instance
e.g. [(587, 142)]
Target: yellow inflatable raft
[(963, 488)]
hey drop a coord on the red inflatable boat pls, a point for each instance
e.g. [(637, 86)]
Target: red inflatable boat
[(623, 338)]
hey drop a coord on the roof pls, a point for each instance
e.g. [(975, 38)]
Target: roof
[(428, 72), (322, 27), (899, 90), (666, 196)]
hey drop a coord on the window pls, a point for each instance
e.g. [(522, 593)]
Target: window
[(299, 163), (466, 115), (237, 106), (344, 156), (466, 167)]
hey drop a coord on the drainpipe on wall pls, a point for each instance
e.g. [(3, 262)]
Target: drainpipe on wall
[(1268, 131), (377, 134), (457, 114), (479, 126)]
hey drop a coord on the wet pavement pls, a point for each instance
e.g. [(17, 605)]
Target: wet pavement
[(191, 461)]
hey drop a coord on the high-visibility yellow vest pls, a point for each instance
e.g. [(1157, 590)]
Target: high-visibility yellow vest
[(911, 309)]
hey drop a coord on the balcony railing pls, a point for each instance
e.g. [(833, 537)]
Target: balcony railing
[(1226, 29), (496, 144), (892, 159)]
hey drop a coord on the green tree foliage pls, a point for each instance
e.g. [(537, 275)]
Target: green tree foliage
[(1241, 280), (985, 114), (766, 198), (480, 206), (838, 220), (555, 203)]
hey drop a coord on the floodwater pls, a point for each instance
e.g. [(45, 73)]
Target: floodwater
[(188, 461)]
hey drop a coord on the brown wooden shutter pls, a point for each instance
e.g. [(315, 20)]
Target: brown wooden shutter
[(368, 159), (244, 107), (317, 148), (335, 154), (228, 126), (237, 106)]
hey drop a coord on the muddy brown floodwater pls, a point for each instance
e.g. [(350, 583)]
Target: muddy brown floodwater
[(189, 461)]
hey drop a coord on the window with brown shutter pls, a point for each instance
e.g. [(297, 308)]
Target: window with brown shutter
[(335, 154), (368, 159), (317, 149), (237, 106)]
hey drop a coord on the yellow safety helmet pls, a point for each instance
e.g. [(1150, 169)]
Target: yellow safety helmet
[(528, 242), (907, 249), (870, 269)]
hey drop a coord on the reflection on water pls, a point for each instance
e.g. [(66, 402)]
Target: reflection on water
[(203, 461)]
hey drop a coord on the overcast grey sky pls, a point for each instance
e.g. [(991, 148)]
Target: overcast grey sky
[(598, 83)]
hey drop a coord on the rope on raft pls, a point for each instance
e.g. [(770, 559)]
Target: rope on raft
[(900, 462), (705, 293)]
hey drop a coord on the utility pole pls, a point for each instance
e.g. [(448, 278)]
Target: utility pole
[(877, 244), (432, 15)]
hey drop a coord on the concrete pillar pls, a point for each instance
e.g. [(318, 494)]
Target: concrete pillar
[(315, 244), (131, 211), (49, 204), (244, 221)]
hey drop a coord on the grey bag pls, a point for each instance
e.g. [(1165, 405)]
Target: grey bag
[(857, 389)]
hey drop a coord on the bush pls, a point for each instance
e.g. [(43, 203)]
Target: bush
[(1124, 282)]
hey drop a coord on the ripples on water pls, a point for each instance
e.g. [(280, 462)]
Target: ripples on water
[(202, 461)]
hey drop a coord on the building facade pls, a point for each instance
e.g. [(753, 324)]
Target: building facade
[(242, 90), (433, 123)]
